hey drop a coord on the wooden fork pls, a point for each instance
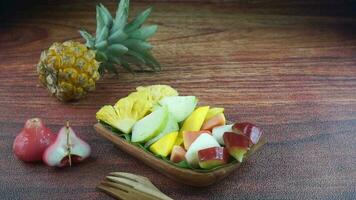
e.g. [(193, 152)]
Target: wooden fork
[(124, 186)]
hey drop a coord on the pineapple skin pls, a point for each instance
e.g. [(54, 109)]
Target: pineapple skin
[(69, 70)]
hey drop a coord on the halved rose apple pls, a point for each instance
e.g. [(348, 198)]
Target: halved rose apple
[(213, 157), (68, 148), (249, 130), (190, 136), (236, 144), (177, 154)]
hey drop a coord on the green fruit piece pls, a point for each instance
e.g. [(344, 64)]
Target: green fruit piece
[(210, 164), (237, 153), (170, 127), (149, 126), (180, 106)]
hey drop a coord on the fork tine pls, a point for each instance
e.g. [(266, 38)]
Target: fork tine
[(139, 186), (120, 180), (114, 192), (133, 177), (136, 178), (115, 179), (143, 189), (133, 184), (117, 185), (132, 192)]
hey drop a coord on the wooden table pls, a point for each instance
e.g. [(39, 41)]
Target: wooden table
[(288, 67)]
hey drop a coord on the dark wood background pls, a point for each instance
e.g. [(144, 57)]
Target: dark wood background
[(288, 66)]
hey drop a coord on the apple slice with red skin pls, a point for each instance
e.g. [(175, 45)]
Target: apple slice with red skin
[(177, 154), (33, 140), (250, 130), (218, 132), (190, 136), (67, 149), (236, 144), (204, 141), (217, 120), (213, 157)]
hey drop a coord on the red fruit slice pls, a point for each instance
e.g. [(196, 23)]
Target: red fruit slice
[(217, 120), (190, 136), (177, 154), (67, 149), (33, 140), (236, 144), (213, 157), (249, 130)]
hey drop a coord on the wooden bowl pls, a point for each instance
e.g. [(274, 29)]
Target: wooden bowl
[(186, 176)]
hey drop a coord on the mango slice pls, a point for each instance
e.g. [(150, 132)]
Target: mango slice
[(213, 112), (163, 146), (193, 122)]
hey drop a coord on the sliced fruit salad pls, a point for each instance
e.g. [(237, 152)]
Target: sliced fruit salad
[(177, 130)]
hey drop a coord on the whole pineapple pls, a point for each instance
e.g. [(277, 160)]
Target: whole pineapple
[(70, 69)]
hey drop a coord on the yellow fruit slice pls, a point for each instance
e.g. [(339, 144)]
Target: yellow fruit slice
[(157, 92), (217, 120), (143, 95), (212, 112), (179, 140), (163, 146), (132, 108), (127, 111), (109, 115), (193, 122)]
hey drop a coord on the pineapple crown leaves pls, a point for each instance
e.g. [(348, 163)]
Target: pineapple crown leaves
[(120, 43)]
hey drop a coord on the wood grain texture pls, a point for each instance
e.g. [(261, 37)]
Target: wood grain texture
[(290, 69)]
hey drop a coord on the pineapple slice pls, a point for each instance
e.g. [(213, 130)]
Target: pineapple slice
[(108, 115), (125, 113), (135, 108), (153, 94), (143, 95), (130, 110), (157, 92)]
